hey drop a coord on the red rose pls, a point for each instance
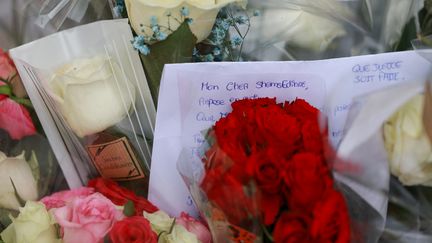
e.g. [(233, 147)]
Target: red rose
[(311, 137), (245, 104), (228, 194), (120, 196), (265, 168), (331, 220), (231, 138), (307, 178), (293, 228), (302, 110), (278, 130), (134, 229), (237, 133)]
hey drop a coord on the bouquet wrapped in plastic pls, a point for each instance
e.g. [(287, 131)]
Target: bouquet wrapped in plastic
[(395, 136), (265, 175), (28, 167), (238, 30), (94, 102)]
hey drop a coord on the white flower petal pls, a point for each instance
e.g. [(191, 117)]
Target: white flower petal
[(19, 171), (93, 96)]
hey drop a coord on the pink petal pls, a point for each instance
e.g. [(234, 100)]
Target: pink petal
[(15, 119), (7, 69)]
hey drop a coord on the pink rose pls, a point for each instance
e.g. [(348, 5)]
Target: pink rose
[(195, 227), (60, 199), (7, 68), (15, 119), (87, 219)]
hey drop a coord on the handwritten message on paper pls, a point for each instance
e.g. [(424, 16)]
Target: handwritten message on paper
[(377, 72), (365, 77), (194, 96), (204, 99)]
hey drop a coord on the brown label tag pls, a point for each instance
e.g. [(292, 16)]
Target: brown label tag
[(427, 111), (116, 160)]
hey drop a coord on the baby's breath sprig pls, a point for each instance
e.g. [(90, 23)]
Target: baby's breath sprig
[(227, 37), (119, 8), (159, 32)]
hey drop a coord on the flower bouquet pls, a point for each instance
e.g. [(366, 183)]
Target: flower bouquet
[(265, 177), (400, 149), (101, 212), (28, 168), (94, 101), (239, 30)]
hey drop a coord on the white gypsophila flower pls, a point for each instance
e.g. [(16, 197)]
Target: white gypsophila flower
[(408, 147), (92, 94), (168, 13), (18, 170)]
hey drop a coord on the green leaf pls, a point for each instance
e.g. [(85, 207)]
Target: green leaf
[(5, 217), (5, 90), (106, 239), (177, 48), (22, 101), (18, 197), (129, 209), (58, 230), (367, 10), (428, 5), (408, 34)]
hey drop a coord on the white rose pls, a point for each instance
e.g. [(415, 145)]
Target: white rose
[(34, 224), (202, 12), (408, 147), (19, 171), (161, 222), (296, 27), (92, 94), (179, 235)]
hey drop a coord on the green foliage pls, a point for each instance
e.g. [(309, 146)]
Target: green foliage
[(129, 209), (177, 48)]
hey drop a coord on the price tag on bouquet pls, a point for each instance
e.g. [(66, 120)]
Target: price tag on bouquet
[(194, 96)]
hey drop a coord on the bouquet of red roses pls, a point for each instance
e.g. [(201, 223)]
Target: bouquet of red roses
[(266, 178)]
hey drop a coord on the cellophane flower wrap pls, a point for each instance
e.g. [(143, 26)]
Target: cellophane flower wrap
[(397, 166), (263, 176), (28, 168), (92, 100)]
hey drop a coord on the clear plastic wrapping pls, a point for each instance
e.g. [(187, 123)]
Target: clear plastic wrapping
[(402, 168), (28, 168), (27, 20), (94, 99), (327, 28), (214, 178)]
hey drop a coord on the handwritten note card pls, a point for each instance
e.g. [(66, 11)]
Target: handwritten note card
[(194, 96)]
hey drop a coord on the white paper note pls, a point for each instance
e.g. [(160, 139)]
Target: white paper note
[(193, 96)]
